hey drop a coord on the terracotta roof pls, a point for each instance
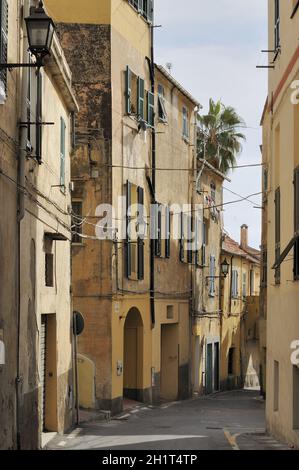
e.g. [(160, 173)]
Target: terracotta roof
[(233, 248)]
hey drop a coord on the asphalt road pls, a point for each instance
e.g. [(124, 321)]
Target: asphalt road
[(224, 421)]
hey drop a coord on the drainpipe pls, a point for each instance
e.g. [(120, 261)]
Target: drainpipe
[(21, 209), (152, 242)]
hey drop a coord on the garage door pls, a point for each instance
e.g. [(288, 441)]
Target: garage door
[(43, 337)]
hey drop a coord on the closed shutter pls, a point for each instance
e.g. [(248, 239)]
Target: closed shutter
[(190, 241), (151, 109), (140, 102), (140, 193), (128, 90), (3, 40), (204, 243), (150, 14), (182, 239), (212, 274), (62, 152), (128, 256), (43, 356), (159, 229)]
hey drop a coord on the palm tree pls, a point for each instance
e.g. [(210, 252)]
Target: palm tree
[(219, 139)]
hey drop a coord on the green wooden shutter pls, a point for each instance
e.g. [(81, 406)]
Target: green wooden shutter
[(151, 109), (62, 152), (140, 98), (140, 195), (128, 248), (128, 90), (3, 40)]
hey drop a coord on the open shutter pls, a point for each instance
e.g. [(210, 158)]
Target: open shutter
[(140, 194), (151, 109), (150, 12), (128, 250), (204, 242), (159, 229), (140, 103), (190, 229), (168, 234), (128, 90), (62, 152), (3, 40)]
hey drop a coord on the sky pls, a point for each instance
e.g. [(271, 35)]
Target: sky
[(214, 48)]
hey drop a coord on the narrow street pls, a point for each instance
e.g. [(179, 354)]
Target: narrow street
[(223, 421)]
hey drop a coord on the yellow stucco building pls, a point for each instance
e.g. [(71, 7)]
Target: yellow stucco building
[(281, 223), (135, 122), (240, 352)]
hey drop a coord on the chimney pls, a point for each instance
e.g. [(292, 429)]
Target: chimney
[(244, 236)]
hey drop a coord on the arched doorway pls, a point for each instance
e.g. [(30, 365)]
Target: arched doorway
[(133, 356)]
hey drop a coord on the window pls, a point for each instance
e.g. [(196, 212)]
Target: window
[(185, 123), (277, 233), (158, 224), (144, 7), (169, 310), (213, 192), (151, 109), (244, 286), (134, 244), (212, 275), (277, 24), (186, 238), (230, 365), (3, 45), (235, 282), (161, 104), (62, 153), (265, 179), (49, 269), (77, 221)]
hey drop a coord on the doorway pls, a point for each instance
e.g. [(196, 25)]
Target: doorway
[(169, 362), (133, 356), (48, 373)]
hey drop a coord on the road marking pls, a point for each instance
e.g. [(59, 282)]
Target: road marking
[(62, 443), (232, 439)]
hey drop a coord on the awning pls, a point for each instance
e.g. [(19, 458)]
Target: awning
[(56, 236), (285, 253)]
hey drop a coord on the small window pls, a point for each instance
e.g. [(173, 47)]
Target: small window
[(49, 269), (77, 222), (161, 104), (185, 123), (170, 314)]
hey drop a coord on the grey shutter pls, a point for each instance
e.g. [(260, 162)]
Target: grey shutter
[(128, 260), (128, 90), (159, 229), (182, 257), (204, 242), (150, 13), (140, 98), (140, 194), (190, 229), (4, 40)]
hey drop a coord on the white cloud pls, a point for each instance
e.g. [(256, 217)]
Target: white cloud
[(214, 48)]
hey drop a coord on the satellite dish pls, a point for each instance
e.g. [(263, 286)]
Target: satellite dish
[(78, 323)]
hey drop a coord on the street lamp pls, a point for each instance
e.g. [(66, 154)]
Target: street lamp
[(40, 31), (224, 268)]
